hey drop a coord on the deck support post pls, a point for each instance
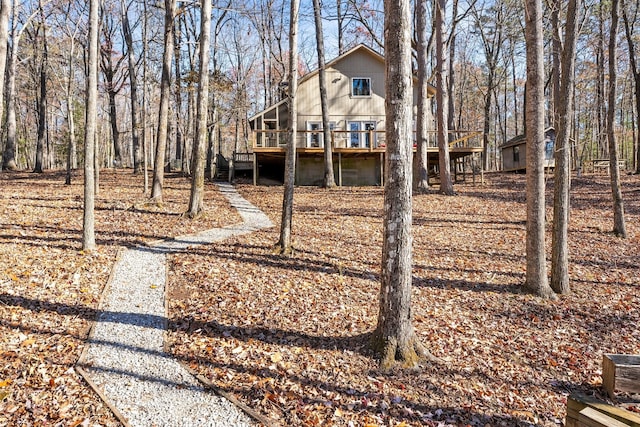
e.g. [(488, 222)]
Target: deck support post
[(473, 168), (339, 169), (255, 169)]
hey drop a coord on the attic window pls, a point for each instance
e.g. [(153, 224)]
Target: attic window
[(361, 86)]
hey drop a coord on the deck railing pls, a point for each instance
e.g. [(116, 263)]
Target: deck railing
[(242, 157), (364, 139)]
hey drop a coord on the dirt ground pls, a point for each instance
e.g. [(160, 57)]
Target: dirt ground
[(50, 289), (288, 336)]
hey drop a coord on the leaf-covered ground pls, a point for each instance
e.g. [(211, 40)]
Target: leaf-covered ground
[(50, 289), (289, 336)]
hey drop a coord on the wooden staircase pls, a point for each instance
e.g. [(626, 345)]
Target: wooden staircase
[(221, 165)]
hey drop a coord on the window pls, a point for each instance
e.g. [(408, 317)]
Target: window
[(516, 154), (315, 137), (361, 133), (361, 86), (548, 149)]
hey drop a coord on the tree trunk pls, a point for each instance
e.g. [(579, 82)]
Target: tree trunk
[(619, 227), (600, 102), (186, 144), (9, 153), (88, 229), (284, 244), (209, 168), (635, 70), (165, 93), (196, 201), (133, 83), (177, 41), (421, 161), (536, 275), (113, 120), (328, 180), (72, 156), (187, 148), (446, 186), (395, 338), (516, 128), (42, 99), (145, 51), (486, 129), (490, 26), (451, 84), (112, 84), (564, 60), (637, 138), (340, 24), (5, 11)]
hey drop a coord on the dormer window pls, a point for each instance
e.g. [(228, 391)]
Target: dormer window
[(361, 86)]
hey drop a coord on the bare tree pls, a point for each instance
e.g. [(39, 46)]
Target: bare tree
[(446, 186), (5, 11), (285, 245), (421, 161), (328, 180), (270, 28), (490, 27), (200, 144), (369, 22), (635, 71), (145, 97), (42, 96), (600, 84), (395, 338), (536, 276), (9, 153), (340, 18), (165, 93), (133, 86), (111, 64), (71, 28), (188, 36), (88, 229), (619, 227), (563, 76)]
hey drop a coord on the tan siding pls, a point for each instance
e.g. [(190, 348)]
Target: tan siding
[(342, 106)]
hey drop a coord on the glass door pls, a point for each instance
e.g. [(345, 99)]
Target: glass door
[(361, 134), (314, 138)]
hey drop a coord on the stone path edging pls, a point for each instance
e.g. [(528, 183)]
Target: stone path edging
[(125, 361)]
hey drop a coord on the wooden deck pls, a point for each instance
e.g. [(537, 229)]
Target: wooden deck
[(360, 141), (365, 161)]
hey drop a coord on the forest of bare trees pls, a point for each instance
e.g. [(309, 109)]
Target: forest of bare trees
[(482, 42), (151, 88)]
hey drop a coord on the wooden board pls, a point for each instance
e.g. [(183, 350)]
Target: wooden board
[(589, 417), (621, 372), (577, 402)]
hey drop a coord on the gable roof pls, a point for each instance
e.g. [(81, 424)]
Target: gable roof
[(360, 47), (334, 61), (549, 132)]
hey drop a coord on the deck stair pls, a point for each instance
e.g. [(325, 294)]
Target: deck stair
[(221, 168), (242, 162)]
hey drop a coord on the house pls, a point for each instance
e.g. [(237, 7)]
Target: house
[(355, 92), (514, 152)]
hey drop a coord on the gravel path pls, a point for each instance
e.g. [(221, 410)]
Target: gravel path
[(125, 358)]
